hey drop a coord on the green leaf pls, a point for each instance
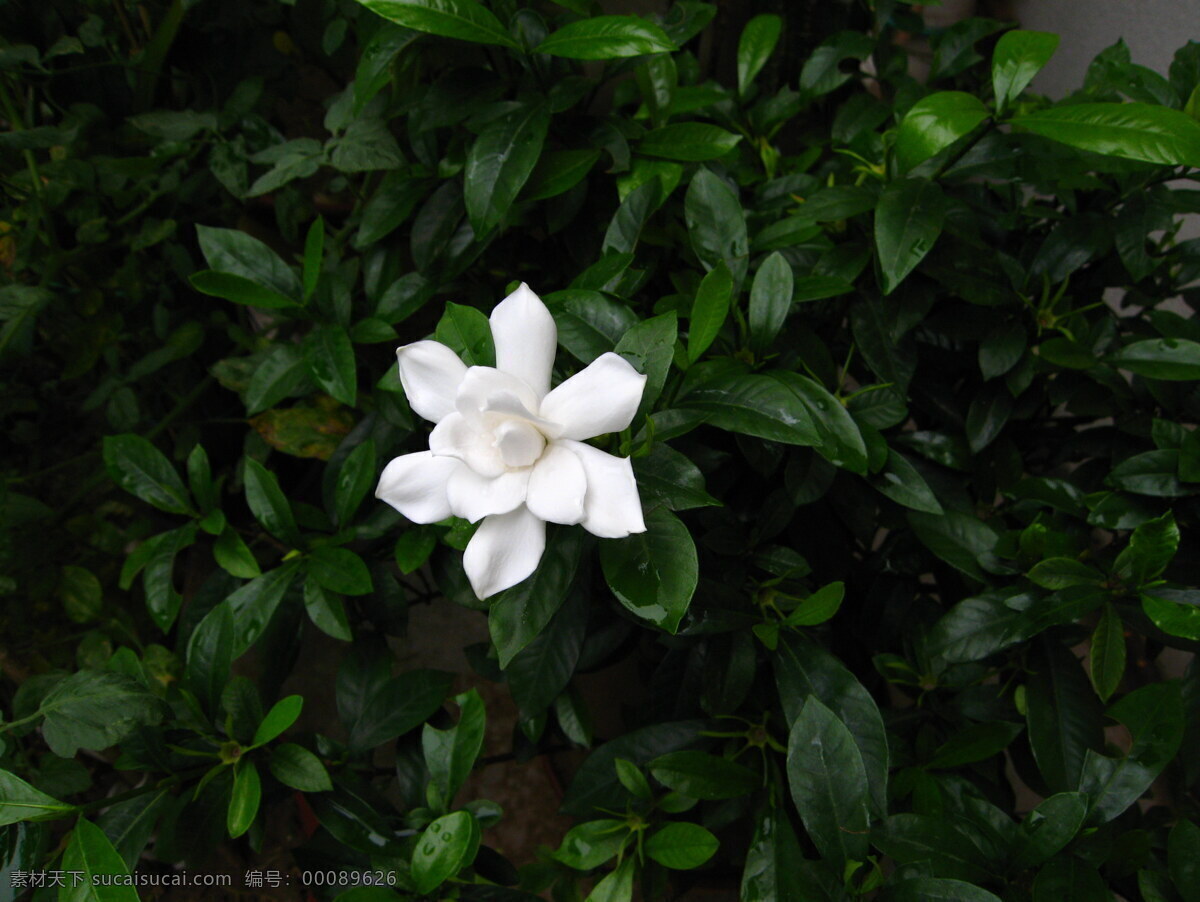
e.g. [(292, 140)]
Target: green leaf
[(754, 404), (268, 504), (653, 573), (95, 709), (681, 846), (1171, 617), (590, 844), (355, 478), (238, 289), (1152, 473), (606, 37), (709, 311), (1018, 57), (774, 861), (326, 611), (142, 470), (210, 656), (1108, 653), (80, 593), (908, 220), (233, 556), (281, 716), (616, 886), (803, 670), (818, 607), (500, 162), (770, 300), (633, 779), (21, 802), (900, 481), (297, 767), (935, 122), (1172, 359), (466, 331), (717, 225), (1048, 828), (939, 843), (1132, 131), (244, 799), (398, 705), (280, 374), (374, 69), (518, 615), (960, 539), (253, 605), (466, 20), (450, 754), (1063, 715), (340, 570), (389, 207), (828, 784), (939, 889), (447, 846), (314, 256), (1183, 858), (841, 440), (977, 742), (667, 477), (236, 253), (413, 549), (650, 347), (704, 776), (755, 47), (330, 358), (1060, 572), (92, 855), (130, 824), (558, 171), (691, 142)]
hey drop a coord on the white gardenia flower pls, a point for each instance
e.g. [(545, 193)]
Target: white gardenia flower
[(509, 451)]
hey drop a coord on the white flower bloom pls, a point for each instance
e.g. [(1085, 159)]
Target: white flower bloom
[(509, 451)]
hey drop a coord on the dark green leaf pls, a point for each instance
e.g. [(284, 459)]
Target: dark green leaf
[(21, 802), (975, 743), (691, 142), (236, 253), (1183, 857), (447, 845), (500, 162), (1064, 717), (558, 171), (296, 767), (717, 225), (281, 716), (709, 310), (519, 614), (281, 374), (330, 358), (466, 20), (326, 611), (704, 776), (935, 122), (681, 845), (1108, 653), (1018, 57), (589, 845), (841, 440), (398, 705), (606, 37), (940, 889), (100, 866), (666, 476), (268, 504), (653, 573), (1060, 572), (901, 482), (141, 469), (1048, 829), (95, 709), (650, 347), (354, 479), (339, 570), (244, 800), (1133, 131), (238, 289), (908, 220), (828, 783), (755, 404), (450, 754), (960, 539), (1171, 617), (755, 47), (233, 556), (939, 843), (1173, 359), (770, 299), (465, 331)]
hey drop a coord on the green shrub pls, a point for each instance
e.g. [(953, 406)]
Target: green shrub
[(916, 449)]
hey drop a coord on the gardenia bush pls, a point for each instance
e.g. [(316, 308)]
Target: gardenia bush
[(857, 414)]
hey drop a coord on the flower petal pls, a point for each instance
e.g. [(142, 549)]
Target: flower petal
[(557, 486), (504, 550), (474, 497), (602, 397), (455, 437), (483, 389), (526, 338), (415, 485), (430, 373), (612, 507)]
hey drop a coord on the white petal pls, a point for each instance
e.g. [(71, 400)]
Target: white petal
[(504, 550), (557, 486), (602, 397), (612, 508), (456, 437), (483, 389), (415, 485), (518, 442), (525, 337), (430, 373), (474, 497)]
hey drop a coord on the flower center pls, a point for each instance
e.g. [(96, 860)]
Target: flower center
[(518, 442)]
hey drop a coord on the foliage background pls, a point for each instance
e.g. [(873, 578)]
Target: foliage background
[(918, 454)]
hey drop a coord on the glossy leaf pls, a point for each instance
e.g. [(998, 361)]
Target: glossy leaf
[(1108, 653), (466, 20), (500, 162), (1133, 131), (709, 310), (935, 122), (296, 767), (704, 776), (269, 505), (244, 800), (100, 866), (755, 47), (770, 300), (908, 221), (1018, 57), (691, 142), (681, 846), (446, 846), (330, 358), (142, 470), (1172, 359), (653, 573), (606, 37), (281, 716)]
